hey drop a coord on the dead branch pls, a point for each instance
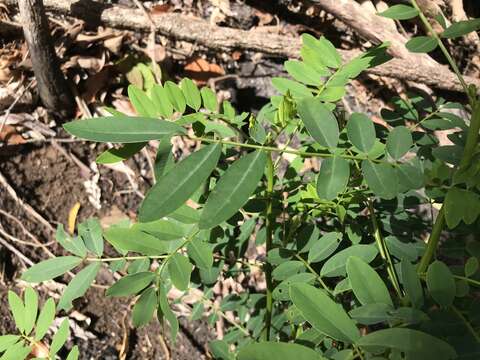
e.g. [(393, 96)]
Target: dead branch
[(52, 87), (200, 32)]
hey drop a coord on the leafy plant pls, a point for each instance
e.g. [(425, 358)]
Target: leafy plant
[(348, 273), (32, 324)]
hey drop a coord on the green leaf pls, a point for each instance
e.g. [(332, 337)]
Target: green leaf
[(461, 205), (400, 12), (115, 155), (73, 354), (144, 307), (323, 313), (186, 215), (91, 233), (441, 283), (161, 100), (17, 352), (400, 249), (175, 96), (201, 253), (325, 49), (137, 241), (131, 284), (361, 132), (7, 341), (220, 350), (367, 285), (233, 189), (333, 177), (303, 72), (168, 313), (18, 310), (141, 102), (73, 245), (324, 247), (123, 129), (319, 121), (191, 93), (371, 314), (332, 93), (296, 89), (51, 268), (277, 350), (79, 285), (45, 319), (162, 229), (461, 28), (175, 188), (209, 99), (164, 160), (399, 142), (336, 265), (381, 179), (422, 44), (415, 344), (31, 309), (471, 266), (410, 175), (180, 270), (60, 337), (287, 269), (281, 291)]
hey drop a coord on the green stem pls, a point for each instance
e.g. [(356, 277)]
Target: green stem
[(384, 253), (433, 241), (466, 323), (287, 151), (317, 275), (472, 137), (140, 257), (269, 244)]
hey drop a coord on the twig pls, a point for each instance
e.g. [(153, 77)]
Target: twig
[(12, 105), (14, 250)]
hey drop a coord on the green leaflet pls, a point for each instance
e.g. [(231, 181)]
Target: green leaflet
[(16, 352), (371, 313), (296, 89), (303, 72), (336, 265), (287, 269), (60, 337), (325, 49), (173, 189), (114, 155), (461, 28), (361, 132), (161, 100), (399, 142), (78, 285), (17, 309), (162, 229), (180, 270), (400, 12), (209, 99), (164, 309), (51, 268), (131, 284), (422, 44), (201, 253), (191, 93), (233, 189), (416, 344), (73, 354), (164, 160), (461, 205), (333, 177), (31, 309), (323, 313), (122, 129), (277, 350), (381, 179), (7, 341), (144, 307), (319, 121), (367, 285), (91, 233), (324, 247), (141, 102), (175, 96), (74, 245), (45, 319), (128, 239), (441, 284), (411, 284)]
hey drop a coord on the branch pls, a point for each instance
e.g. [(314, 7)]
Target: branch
[(198, 31)]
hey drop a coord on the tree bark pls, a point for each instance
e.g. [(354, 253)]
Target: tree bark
[(51, 84)]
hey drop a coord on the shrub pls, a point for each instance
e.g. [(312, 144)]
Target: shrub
[(347, 271)]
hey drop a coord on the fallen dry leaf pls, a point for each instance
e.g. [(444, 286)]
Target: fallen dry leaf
[(10, 136), (114, 44), (201, 70), (160, 9)]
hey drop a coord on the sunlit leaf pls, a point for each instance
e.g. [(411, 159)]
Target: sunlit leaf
[(51, 268), (78, 286), (319, 121), (333, 177)]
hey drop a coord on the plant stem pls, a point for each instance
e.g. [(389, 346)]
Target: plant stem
[(269, 244), (384, 253), (317, 275), (466, 323), (433, 241), (140, 257), (287, 151)]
